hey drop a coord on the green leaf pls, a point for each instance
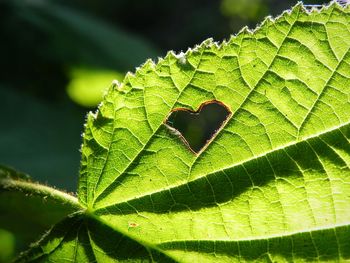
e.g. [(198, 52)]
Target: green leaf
[(87, 86), (272, 185), (7, 245), (28, 209)]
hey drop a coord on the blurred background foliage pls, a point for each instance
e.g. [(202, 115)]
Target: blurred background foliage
[(59, 56)]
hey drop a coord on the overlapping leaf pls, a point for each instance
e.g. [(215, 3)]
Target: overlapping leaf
[(274, 183), (28, 209)]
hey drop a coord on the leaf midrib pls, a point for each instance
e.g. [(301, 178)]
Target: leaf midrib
[(158, 246), (265, 237), (182, 183)]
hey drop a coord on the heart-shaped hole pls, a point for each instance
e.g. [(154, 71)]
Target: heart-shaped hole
[(197, 128)]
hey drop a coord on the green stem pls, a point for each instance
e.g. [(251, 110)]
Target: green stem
[(44, 191)]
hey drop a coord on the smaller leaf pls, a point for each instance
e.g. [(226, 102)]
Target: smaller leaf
[(28, 209), (7, 246), (87, 86), (9, 173)]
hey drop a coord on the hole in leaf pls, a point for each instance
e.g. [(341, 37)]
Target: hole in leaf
[(197, 128)]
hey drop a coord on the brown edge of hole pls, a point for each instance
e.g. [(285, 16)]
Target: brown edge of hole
[(177, 133)]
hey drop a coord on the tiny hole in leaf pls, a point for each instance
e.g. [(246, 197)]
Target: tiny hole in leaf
[(197, 128)]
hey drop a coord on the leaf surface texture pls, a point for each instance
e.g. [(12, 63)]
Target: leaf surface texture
[(272, 185)]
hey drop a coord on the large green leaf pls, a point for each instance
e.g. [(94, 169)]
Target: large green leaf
[(272, 185)]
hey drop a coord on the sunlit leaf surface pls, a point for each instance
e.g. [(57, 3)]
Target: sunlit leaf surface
[(272, 185)]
